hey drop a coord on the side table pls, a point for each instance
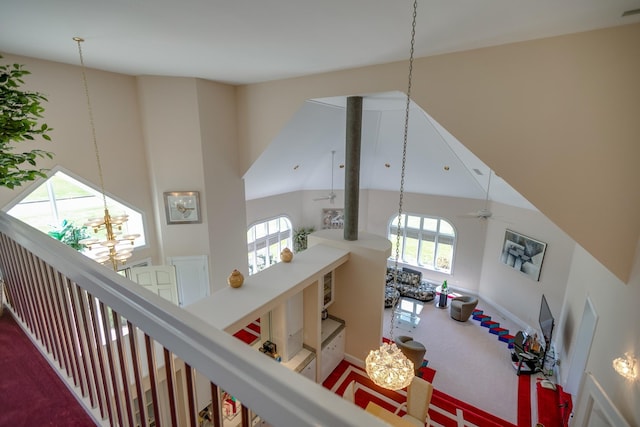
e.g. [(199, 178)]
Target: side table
[(442, 299)]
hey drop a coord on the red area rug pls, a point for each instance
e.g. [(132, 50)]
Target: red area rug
[(554, 406), (250, 333), (524, 401), (444, 410), (31, 394)]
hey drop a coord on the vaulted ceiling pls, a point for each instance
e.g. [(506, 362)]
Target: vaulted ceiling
[(246, 41), (300, 158)]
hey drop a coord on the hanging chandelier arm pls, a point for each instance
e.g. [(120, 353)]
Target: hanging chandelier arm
[(404, 163), (79, 41)]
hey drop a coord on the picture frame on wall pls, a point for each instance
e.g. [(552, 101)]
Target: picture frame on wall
[(523, 253), (332, 219), (182, 207)]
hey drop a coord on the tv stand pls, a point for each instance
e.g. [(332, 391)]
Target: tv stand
[(523, 359)]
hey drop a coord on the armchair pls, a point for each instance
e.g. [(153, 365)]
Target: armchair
[(462, 307), (413, 350)]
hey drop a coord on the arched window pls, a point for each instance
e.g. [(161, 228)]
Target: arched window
[(64, 199), (265, 241), (425, 241)]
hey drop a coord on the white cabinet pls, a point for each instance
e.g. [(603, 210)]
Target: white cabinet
[(287, 327), (332, 355), (328, 289), (309, 371)]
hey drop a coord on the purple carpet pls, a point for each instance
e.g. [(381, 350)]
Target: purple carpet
[(31, 393)]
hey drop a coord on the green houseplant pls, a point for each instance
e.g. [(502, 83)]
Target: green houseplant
[(300, 238), (69, 234), (20, 113)]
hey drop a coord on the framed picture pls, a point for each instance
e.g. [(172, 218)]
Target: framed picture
[(523, 253), (332, 218), (182, 207)]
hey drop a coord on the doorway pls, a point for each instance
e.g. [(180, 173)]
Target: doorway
[(581, 350)]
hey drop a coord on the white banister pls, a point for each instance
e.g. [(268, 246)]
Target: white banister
[(280, 396)]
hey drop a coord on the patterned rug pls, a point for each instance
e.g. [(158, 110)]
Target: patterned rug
[(444, 410), (250, 333)]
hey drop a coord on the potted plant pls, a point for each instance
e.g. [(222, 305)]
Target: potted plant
[(300, 238), (20, 113), (69, 234)]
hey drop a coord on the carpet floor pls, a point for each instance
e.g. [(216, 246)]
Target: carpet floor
[(31, 393)]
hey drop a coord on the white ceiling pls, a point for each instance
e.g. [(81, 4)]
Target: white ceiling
[(248, 41)]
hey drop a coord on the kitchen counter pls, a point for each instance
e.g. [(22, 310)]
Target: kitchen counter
[(298, 362), (331, 327)]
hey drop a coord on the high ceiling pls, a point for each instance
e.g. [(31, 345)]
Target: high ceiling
[(248, 41)]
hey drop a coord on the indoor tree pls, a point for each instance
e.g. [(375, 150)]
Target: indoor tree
[(20, 116)]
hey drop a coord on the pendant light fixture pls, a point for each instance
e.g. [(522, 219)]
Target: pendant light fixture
[(387, 366), (119, 247)]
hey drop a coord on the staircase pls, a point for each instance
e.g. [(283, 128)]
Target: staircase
[(493, 327)]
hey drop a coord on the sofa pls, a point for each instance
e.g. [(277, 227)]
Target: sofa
[(410, 285)]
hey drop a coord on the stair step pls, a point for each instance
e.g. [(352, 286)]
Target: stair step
[(490, 324), (498, 331), (482, 317), (507, 338), (477, 312)]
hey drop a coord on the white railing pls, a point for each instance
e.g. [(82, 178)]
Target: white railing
[(68, 304)]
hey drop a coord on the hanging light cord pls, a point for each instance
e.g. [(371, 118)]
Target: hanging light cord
[(79, 40), (402, 171)]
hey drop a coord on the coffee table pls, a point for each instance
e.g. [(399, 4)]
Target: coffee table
[(408, 311)]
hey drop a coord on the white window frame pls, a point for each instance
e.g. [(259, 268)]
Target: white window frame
[(272, 237), (421, 234), (140, 242)]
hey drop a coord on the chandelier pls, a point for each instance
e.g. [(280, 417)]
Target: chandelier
[(118, 247), (387, 366), (626, 366)]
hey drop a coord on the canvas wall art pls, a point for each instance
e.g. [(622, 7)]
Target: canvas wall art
[(523, 253)]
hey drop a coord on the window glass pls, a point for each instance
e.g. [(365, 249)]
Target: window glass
[(64, 198), (424, 241), (265, 240)]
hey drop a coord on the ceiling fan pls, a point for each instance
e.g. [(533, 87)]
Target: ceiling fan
[(485, 212), (332, 196)]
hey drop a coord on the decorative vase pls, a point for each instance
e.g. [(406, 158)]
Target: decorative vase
[(286, 255), (235, 279)]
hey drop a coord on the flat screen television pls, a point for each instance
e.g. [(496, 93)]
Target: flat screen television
[(546, 325)]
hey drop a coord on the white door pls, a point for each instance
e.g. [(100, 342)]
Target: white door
[(159, 279), (193, 278), (582, 347)]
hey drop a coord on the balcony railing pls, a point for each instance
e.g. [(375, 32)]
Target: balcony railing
[(134, 358)]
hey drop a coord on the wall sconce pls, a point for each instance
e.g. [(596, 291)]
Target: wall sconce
[(626, 366)]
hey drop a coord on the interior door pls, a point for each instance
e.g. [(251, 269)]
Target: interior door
[(159, 279)]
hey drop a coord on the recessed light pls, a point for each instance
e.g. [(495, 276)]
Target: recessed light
[(341, 166), (446, 168), (387, 165), (295, 168)]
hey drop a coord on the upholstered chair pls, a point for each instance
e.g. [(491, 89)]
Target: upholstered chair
[(419, 394), (350, 392), (413, 350), (462, 307)]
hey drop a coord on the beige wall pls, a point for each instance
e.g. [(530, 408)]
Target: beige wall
[(543, 114), (174, 150), (118, 133), (224, 189), (616, 305)]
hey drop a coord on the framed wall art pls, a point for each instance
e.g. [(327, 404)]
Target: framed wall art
[(332, 218), (523, 253), (182, 207)]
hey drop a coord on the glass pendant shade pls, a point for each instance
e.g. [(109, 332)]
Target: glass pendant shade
[(389, 368), (626, 366)]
